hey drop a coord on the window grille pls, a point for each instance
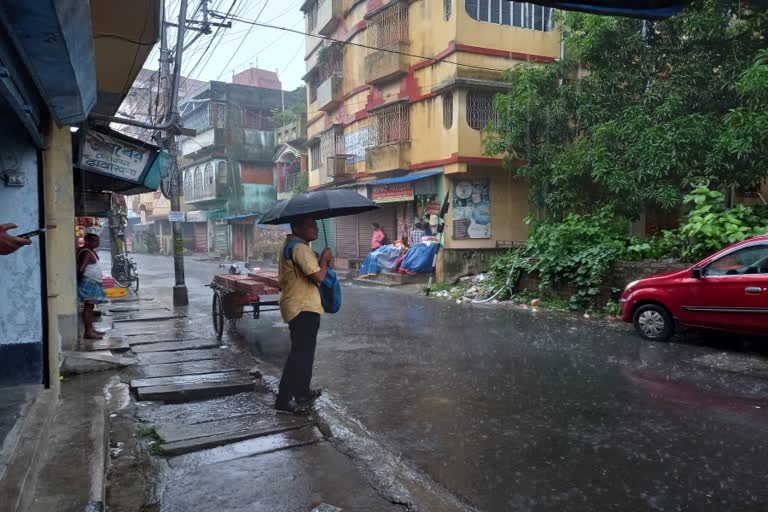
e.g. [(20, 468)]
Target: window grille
[(210, 180), (391, 124), (198, 184), (447, 9), (514, 14), (480, 111), (388, 27), (448, 110), (199, 119), (331, 143), (314, 155)]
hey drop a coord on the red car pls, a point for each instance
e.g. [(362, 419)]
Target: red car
[(727, 291)]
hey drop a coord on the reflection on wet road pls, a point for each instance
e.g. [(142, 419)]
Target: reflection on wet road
[(514, 410)]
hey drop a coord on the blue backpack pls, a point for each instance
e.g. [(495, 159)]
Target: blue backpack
[(330, 288)]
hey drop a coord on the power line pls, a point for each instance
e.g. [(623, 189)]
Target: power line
[(359, 45), (224, 70), (218, 29), (266, 47), (292, 58)]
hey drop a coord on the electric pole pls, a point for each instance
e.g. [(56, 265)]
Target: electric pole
[(171, 86)]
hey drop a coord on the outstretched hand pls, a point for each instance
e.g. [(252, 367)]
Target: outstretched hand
[(10, 243)]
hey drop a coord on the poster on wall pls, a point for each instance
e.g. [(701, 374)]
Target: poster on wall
[(471, 209), (355, 143)]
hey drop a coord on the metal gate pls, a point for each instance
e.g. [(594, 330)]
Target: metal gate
[(220, 238), (386, 217), (346, 236), (201, 236)]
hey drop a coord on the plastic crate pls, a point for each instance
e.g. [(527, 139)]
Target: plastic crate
[(116, 292)]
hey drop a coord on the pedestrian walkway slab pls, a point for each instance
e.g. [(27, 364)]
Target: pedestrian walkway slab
[(248, 448), (189, 379), (141, 340), (190, 392), (240, 404), (148, 317), (181, 356), (202, 443), (108, 343), (175, 345), (172, 432), (282, 481), (187, 368)]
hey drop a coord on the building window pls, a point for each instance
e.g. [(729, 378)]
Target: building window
[(390, 124), (314, 155), (218, 115), (331, 62), (480, 111), (513, 14), (448, 110), (198, 119), (210, 180), (388, 27), (197, 191), (221, 173), (312, 88), (447, 9), (188, 184), (312, 13)]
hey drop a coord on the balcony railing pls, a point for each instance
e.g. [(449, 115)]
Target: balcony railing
[(339, 166), (290, 181)]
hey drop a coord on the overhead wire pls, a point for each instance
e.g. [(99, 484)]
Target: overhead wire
[(224, 69), (359, 45)]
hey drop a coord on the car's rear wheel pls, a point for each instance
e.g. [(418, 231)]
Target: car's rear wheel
[(653, 322)]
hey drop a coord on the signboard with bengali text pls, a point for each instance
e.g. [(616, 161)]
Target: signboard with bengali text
[(115, 157), (392, 192)]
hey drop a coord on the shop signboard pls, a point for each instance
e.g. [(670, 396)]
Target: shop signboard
[(115, 156), (176, 216), (392, 192), (471, 209)]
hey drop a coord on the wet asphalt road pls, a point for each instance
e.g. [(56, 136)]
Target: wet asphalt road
[(514, 410)]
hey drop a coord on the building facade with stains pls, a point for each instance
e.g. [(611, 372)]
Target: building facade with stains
[(398, 96)]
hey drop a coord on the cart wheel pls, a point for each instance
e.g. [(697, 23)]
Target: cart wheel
[(217, 312), (135, 286)]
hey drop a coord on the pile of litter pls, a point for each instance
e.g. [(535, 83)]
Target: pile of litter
[(477, 288)]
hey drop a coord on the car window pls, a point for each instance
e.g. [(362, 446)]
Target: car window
[(750, 260)]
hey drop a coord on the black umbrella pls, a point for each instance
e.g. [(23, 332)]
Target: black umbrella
[(322, 204)]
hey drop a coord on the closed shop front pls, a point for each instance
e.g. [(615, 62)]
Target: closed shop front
[(326, 235), (240, 241), (386, 217), (220, 237), (201, 236), (346, 237)]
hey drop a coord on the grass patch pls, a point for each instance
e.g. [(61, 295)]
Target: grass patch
[(150, 433), (156, 450)]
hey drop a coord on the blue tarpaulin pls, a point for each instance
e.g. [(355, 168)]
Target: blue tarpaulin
[(405, 179), (419, 258)]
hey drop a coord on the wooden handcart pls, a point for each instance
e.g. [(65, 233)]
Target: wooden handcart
[(234, 293)]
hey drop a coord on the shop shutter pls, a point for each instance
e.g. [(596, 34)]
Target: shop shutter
[(327, 234), (238, 241), (201, 236), (346, 236), (220, 238), (386, 216)]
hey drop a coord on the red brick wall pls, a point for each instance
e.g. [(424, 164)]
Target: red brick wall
[(255, 174)]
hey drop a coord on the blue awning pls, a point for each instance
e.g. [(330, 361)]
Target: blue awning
[(405, 179), (243, 216)]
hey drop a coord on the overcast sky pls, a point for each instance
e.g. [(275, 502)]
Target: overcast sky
[(243, 45)]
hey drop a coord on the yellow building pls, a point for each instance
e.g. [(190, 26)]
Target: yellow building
[(398, 97)]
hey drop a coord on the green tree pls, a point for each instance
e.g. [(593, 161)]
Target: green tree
[(632, 120)]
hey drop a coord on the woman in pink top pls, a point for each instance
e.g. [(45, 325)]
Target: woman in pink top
[(378, 236)]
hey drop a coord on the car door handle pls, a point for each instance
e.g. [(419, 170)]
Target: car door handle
[(753, 289)]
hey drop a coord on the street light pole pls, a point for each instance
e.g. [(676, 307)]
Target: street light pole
[(180, 295)]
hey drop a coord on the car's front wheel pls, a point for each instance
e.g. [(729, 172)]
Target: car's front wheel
[(653, 322)]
